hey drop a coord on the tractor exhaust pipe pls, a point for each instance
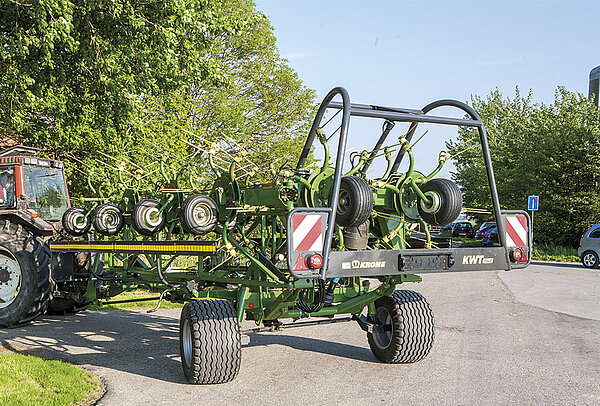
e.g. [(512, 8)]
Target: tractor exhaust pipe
[(594, 91)]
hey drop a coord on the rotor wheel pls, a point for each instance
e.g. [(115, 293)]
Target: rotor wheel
[(355, 203), (444, 202), (146, 217), (199, 215), (210, 342), (403, 330), (108, 219), (75, 221), (25, 285)]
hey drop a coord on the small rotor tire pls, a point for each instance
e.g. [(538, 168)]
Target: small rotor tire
[(445, 202), (25, 284), (146, 217), (403, 330), (210, 342), (355, 203), (199, 214), (108, 219), (76, 222)]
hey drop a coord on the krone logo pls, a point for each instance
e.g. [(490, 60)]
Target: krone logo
[(368, 264)]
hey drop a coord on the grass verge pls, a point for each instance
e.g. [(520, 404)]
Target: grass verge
[(32, 381), (557, 253), (137, 294)]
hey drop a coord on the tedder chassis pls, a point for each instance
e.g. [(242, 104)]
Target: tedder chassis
[(317, 243)]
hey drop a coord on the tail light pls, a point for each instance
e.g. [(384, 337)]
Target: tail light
[(315, 261), (518, 255)]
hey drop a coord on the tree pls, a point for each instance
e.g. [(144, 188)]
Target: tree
[(108, 84), (548, 150)]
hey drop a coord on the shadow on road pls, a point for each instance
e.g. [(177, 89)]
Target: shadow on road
[(558, 264), (312, 345), (132, 342), (137, 343)]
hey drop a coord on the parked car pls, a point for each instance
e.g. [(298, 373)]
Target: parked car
[(490, 238), (447, 227), (483, 228), (463, 229), (589, 247)]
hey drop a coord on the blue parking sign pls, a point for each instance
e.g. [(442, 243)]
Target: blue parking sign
[(533, 202)]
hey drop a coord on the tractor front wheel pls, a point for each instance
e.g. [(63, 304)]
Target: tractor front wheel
[(210, 342), (403, 328), (24, 275)]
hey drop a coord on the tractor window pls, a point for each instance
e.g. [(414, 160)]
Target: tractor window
[(7, 187), (46, 191)]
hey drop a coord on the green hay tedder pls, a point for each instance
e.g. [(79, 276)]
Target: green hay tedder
[(320, 244)]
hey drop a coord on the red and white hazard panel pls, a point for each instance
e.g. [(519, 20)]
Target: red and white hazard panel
[(517, 234), (306, 234)]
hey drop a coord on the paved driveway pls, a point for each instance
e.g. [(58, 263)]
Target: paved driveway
[(490, 349)]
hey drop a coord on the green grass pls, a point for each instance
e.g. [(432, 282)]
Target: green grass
[(547, 252), (27, 380), (137, 294)]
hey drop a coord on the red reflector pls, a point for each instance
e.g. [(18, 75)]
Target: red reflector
[(518, 255), (251, 305), (315, 261)]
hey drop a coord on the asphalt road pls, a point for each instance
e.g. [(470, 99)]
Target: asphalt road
[(492, 348)]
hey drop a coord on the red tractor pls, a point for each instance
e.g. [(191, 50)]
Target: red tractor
[(33, 198)]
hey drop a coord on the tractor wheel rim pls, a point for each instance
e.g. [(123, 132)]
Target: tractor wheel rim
[(10, 280), (383, 318), (186, 343), (589, 260)]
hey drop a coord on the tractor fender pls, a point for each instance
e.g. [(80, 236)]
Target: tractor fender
[(25, 218)]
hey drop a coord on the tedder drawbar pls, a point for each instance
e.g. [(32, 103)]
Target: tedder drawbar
[(322, 242)]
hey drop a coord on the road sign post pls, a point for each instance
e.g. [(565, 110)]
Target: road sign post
[(533, 204)]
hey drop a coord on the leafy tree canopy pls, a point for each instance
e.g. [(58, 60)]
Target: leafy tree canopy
[(116, 86), (548, 150)]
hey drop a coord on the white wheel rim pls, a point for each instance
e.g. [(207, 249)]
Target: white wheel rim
[(10, 280), (202, 215), (151, 217), (186, 343), (110, 220), (435, 203), (589, 260), (79, 221)]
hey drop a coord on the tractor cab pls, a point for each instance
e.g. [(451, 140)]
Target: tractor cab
[(31, 187)]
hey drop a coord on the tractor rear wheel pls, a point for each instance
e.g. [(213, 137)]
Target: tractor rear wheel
[(209, 341), (403, 331), (24, 275)]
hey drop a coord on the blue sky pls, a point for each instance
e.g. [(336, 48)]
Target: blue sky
[(409, 53)]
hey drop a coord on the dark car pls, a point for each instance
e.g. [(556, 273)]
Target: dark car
[(463, 229), (490, 238), (447, 227), (483, 228)]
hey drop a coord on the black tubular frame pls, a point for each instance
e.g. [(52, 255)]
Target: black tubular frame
[(393, 115)]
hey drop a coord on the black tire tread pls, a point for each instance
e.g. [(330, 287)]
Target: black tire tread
[(32, 252), (413, 328), (450, 202), (216, 353), (362, 196)]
